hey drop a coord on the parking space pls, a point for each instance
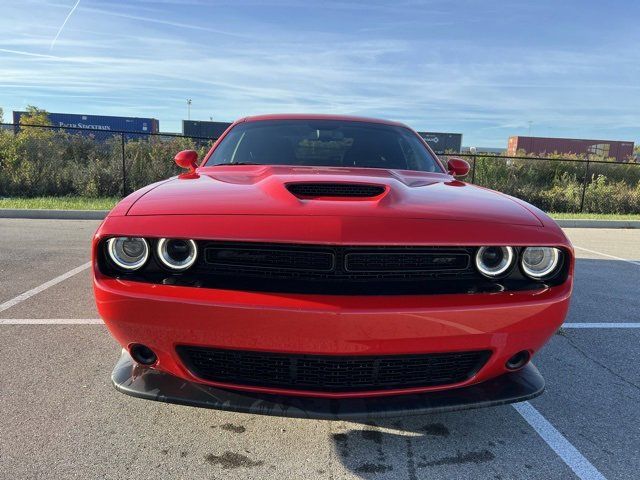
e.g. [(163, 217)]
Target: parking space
[(605, 289), (61, 418), (593, 392), (35, 251)]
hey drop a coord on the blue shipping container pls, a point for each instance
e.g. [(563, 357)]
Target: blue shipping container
[(99, 123)]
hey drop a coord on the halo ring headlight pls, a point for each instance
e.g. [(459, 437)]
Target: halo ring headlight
[(128, 253), (494, 261), (540, 262), (177, 254)]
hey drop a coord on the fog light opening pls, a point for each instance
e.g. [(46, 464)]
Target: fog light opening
[(142, 354), (518, 361)]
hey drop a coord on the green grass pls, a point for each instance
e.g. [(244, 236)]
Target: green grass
[(595, 216), (60, 203), (107, 203)]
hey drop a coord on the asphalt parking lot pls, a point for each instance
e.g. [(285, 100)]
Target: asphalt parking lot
[(61, 418)]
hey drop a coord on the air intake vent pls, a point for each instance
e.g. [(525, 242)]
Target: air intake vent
[(331, 373), (326, 189)]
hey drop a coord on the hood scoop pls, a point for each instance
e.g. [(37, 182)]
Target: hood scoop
[(335, 189)]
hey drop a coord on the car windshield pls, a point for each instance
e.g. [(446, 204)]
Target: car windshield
[(324, 143)]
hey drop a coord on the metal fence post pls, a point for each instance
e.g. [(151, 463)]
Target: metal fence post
[(584, 184), (473, 170), (124, 168)]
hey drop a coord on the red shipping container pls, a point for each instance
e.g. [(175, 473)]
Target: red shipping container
[(621, 151)]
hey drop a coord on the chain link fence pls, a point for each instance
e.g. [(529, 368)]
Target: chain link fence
[(53, 161), (560, 184)]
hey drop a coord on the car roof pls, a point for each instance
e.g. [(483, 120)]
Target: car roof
[(318, 116)]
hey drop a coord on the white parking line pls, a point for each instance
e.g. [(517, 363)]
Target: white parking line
[(633, 262), (34, 291), (567, 452), (601, 325), (51, 321)]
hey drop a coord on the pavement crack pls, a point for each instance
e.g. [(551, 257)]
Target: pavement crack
[(601, 364), (409, 454), (330, 460)]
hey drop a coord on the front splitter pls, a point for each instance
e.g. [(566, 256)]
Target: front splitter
[(135, 380)]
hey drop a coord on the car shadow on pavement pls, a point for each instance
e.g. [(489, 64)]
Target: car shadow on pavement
[(467, 442)]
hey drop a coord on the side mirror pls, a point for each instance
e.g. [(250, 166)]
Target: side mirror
[(458, 167), (187, 159)]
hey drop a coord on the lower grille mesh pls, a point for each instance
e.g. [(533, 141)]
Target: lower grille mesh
[(331, 373)]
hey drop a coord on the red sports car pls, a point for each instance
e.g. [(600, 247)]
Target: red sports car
[(328, 267)]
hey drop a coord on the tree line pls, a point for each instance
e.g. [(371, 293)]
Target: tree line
[(36, 161)]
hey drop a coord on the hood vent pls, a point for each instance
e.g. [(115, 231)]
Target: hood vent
[(327, 189)]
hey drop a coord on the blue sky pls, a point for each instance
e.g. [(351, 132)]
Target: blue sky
[(483, 68)]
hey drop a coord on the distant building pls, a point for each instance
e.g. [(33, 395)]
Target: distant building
[(197, 128), (621, 151), (98, 123), (443, 142)]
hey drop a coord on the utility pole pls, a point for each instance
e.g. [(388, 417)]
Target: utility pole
[(188, 109), (530, 123)]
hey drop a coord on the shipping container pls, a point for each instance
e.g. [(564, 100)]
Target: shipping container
[(443, 142), (196, 128), (620, 151), (98, 123)]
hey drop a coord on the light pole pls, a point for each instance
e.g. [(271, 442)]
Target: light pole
[(530, 123), (188, 109)]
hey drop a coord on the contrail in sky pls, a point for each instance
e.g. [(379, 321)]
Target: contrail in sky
[(53, 42)]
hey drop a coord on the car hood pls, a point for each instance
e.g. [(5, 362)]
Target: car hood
[(263, 190)]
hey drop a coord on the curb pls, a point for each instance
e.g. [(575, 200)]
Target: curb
[(583, 223), (100, 214), (54, 214)]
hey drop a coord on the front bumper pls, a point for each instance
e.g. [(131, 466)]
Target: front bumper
[(151, 384), (163, 317)]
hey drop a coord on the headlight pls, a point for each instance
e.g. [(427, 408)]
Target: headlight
[(177, 254), (129, 253), (540, 262), (494, 261)]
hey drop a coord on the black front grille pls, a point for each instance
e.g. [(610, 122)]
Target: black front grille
[(326, 189), (339, 270), (315, 262), (330, 373)]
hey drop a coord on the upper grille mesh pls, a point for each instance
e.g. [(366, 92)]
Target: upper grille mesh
[(326, 189), (299, 262)]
